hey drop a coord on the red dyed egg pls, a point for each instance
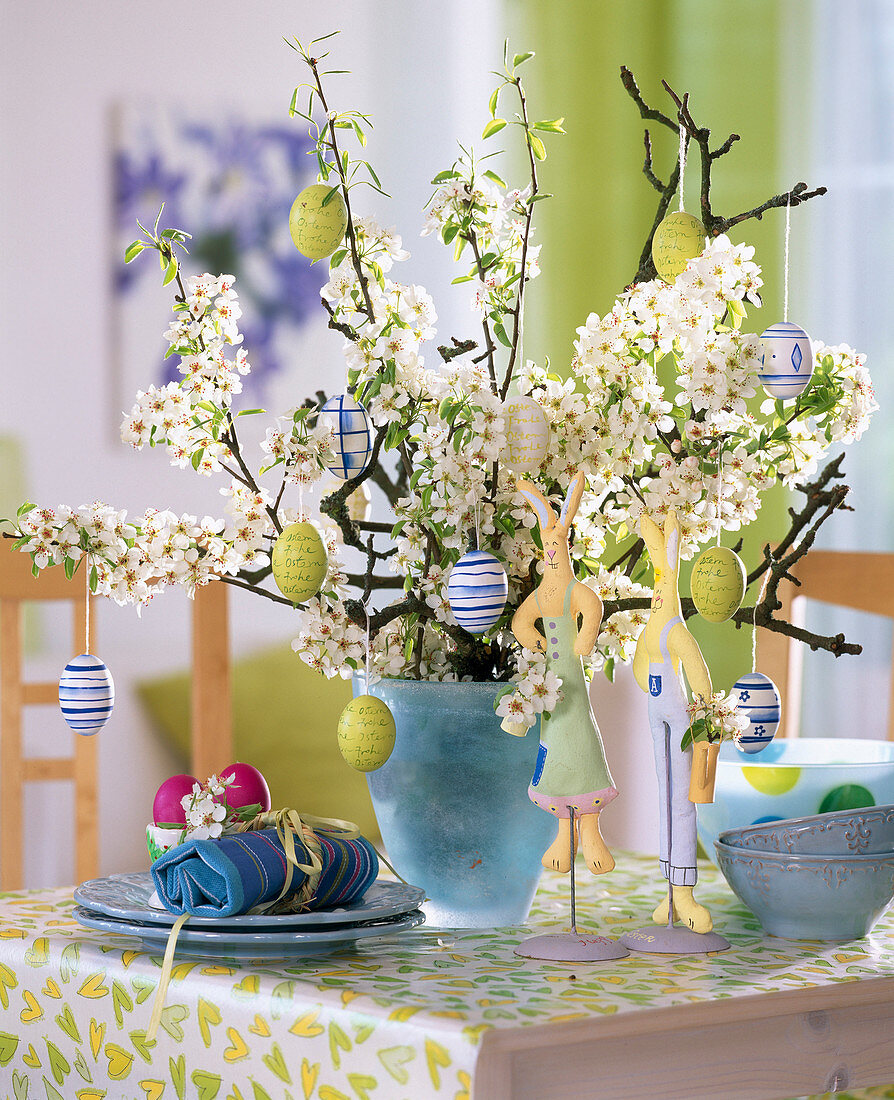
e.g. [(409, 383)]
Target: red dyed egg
[(166, 808), (247, 788)]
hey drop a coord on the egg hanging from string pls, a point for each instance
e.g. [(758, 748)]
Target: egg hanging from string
[(527, 435), (86, 694), (757, 697), (477, 589), (786, 361), (679, 238), (717, 583), (299, 561), (352, 437), (317, 226), (366, 733)]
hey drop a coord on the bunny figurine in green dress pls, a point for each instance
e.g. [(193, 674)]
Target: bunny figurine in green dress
[(571, 775)]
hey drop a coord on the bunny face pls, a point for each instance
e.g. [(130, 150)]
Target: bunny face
[(554, 530)]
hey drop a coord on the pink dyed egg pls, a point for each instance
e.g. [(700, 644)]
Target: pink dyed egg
[(166, 808), (247, 788)]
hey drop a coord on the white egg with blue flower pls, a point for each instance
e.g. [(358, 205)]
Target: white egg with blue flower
[(86, 694), (351, 432), (757, 697), (786, 361), (477, 589)]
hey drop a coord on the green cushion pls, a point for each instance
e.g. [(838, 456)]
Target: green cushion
[(285, 717)]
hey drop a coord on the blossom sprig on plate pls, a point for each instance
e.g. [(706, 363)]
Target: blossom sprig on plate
[(208, 813), (714, 720)]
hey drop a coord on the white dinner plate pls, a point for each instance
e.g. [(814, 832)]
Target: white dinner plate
[(279, 944), (128, 897)]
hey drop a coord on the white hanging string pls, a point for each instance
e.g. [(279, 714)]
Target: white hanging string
[(682, 162), (477, 527), (759, 600), (300, 500), (719, 487), (366, 684), (788, 230), (87, 621)]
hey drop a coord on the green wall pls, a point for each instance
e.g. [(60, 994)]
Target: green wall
[(728, 56)]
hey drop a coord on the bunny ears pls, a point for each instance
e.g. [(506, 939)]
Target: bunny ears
[(546, 514), (662, 543)]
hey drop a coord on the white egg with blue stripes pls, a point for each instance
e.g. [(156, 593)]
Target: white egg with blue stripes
[(786, 361), (757, 697), (352, 437), (86, 694), (477, 589)]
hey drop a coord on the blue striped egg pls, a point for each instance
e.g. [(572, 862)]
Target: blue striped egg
[(86, 694), (786, 360), (476, 591), (352, 444), (758, 697)]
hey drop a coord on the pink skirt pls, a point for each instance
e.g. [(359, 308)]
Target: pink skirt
[(561, 805)]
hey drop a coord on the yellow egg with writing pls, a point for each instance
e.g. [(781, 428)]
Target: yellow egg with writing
[(366, 733), (717, 583), (527, 435), (678, 238), (318, 227), (299, 562)]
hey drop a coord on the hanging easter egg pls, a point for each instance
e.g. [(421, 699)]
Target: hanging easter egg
[(678, 238), (757, 697), (786, 360), (167, 807), (86, 694), (476, 591), (527, 435), (366, 733), (352, 443), (317, 226), (249, 787), (299, 562), (717, 583)]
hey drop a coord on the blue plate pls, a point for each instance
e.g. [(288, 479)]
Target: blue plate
[(128, 897), (240, 944)]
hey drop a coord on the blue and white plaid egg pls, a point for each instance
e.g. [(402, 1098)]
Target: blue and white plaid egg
[(86, 694), (757, 697), (786, 360), (476, 591), (352, 442)]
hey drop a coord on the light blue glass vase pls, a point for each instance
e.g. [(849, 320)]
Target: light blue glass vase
[(452, 803)]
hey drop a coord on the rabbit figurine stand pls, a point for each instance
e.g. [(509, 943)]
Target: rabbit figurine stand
[(664, 652), (571, 778)]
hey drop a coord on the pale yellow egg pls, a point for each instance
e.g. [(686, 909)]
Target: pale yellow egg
[(678, 238), (318, 229), (366, 733), (299, 562), (717, 583), (527, 435)]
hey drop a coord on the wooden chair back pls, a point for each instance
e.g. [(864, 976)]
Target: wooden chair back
[(210, 706), (854, 579)]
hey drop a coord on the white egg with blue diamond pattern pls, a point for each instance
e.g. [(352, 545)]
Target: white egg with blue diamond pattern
[(477, 589), (757, 697), (352, 438), (86, 694), (786, 361)]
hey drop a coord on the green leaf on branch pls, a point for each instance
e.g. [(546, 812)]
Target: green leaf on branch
[(521, 58), (133, 250), (493, 127), (329, 196), (449, 174), (498, 180), (170, 271), (26, 507), (551, 126), (500, 333), (492, 103), (537, 146)]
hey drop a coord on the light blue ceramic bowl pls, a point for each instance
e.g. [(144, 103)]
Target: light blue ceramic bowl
[(796, 777), (847, 832), (831, 898)]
